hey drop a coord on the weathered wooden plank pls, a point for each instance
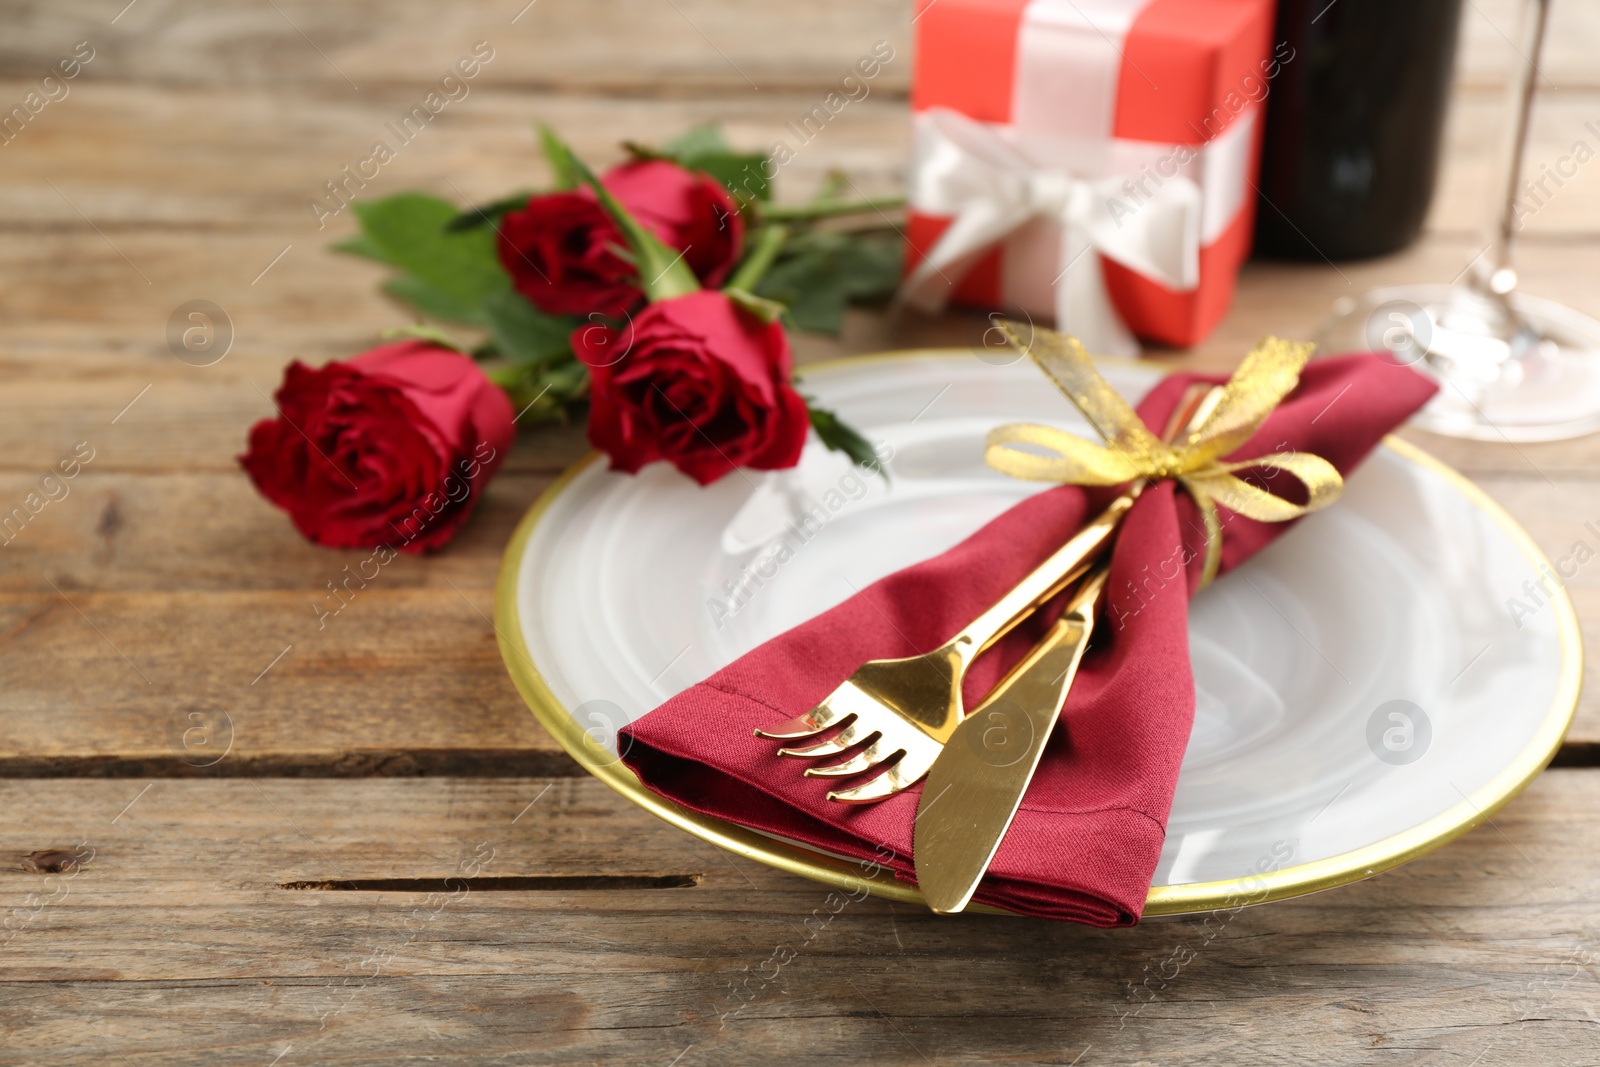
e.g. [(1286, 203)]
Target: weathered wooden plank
[(114, 533), (407, 664), (1563, 138), (104, 682), (119, 532), (1488, 56), (241, 160), (612, 46), (73, 366), (106, 158), (175, 944)]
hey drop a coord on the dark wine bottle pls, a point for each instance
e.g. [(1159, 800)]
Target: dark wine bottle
[(1354, 123)]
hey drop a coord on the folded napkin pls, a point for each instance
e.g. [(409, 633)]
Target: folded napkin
[(1085, 843)]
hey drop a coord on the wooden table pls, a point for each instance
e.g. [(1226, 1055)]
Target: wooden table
[(168, 703)]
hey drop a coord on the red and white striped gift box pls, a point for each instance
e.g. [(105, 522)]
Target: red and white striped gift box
[(1090, 161)]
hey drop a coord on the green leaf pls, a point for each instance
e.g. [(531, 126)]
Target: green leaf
[(703, 148), (871, 265), (488, 214), (817, 305), (739, 172), (702, 139), (822, 272), (524, 334), (432, 301), (808, 282), (840, 436), (568, 171), (408, 231), (360, 245)]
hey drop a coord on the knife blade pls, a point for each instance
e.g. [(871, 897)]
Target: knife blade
[(976, 785)]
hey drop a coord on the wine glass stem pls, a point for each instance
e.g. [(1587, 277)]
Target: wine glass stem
[(1492, 275)]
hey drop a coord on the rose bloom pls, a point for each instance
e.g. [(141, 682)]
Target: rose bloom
[(391, 448), (698, 381), (691, 213), (559, 248)]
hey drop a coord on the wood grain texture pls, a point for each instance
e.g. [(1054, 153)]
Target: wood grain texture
[(1485, 949), (73, 367), (625, 47), (199, 607), (169, 700), (593, 46), (114, 152), (244, 160), (103, 675)]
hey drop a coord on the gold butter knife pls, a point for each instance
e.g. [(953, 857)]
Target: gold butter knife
[(977, 783)]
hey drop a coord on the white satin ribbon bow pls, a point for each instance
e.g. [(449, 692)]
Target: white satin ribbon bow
[(968, 170)]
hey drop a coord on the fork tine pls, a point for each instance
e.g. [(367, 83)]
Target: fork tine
[(847, 738), (811, 723), (875, 754), (886, 784)]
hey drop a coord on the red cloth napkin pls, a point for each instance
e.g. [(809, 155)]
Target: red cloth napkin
[(1086, 841)]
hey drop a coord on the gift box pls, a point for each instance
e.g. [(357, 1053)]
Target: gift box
[(1089, 162)]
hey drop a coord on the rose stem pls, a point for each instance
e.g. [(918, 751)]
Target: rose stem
[(823, 209), (768, 243)]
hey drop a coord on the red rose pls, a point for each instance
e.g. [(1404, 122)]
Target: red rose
[(559, 253), (559, 250), (695, 380), (691, 213), (392, 448)]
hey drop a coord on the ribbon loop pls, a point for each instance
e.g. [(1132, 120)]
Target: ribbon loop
[(1132, 453), (1268, 374), (1066, 363), (1075, 460), (968, 170)]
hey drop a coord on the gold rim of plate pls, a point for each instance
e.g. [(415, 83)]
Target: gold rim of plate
[(846, 874)]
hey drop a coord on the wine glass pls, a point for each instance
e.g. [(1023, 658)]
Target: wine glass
[(1512, 367)]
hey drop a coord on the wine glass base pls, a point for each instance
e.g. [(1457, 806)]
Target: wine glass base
[(1533, 377)]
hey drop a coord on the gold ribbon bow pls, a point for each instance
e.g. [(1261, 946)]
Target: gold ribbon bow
[(1133, 453)]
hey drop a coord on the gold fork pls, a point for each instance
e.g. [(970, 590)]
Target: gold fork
[(910, 707)]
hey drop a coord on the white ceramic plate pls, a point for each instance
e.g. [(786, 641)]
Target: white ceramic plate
[(1364, 693)]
